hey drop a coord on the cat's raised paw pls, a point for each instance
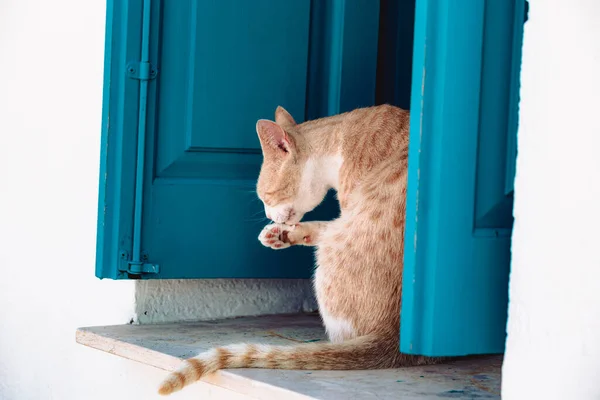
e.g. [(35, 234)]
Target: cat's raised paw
[(275, 236)]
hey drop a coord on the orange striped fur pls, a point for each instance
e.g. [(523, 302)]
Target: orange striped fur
[(363, 156)]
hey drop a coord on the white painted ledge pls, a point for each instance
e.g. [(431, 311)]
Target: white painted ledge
[(164, 345)]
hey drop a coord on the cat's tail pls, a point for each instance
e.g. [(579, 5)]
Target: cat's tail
[(365, 352)]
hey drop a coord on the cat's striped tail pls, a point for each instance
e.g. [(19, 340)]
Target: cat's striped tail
[(365, 352)]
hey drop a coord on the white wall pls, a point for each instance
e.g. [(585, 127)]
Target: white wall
[(553, 347), (51, 62)]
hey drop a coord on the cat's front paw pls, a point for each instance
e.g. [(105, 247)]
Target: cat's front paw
[(275, 236)]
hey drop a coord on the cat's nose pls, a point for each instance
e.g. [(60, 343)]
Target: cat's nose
[(280, 215)]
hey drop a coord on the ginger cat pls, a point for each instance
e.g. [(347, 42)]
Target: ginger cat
[(358, 281)]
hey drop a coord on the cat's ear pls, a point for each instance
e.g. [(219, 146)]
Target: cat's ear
[(273, 138), (283, 118)]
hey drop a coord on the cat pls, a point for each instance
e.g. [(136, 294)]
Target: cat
[(363, 155)]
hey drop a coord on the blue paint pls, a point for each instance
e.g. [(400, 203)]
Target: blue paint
[(180, 155), (461, 157), (136, 261), (120, 108)]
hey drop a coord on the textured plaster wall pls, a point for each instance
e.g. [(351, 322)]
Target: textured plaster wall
[(180, 300), (51, 61), (553, 346)]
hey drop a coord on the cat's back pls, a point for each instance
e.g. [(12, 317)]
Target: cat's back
[(371, 137), (383, 120), (374, 134)]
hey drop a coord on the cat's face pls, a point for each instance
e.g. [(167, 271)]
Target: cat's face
[(288, 182)]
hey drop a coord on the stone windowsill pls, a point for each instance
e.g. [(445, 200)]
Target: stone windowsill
[(163, 346)]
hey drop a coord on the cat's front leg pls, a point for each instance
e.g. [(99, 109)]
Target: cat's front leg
[(274, 236), (280, 236)]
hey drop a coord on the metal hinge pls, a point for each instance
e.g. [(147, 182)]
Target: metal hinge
[(136, 268), (144, 71)]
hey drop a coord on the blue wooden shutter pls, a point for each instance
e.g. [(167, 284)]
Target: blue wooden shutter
[(461, 169), (185, 82)]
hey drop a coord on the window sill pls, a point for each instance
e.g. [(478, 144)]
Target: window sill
[(163, 346)]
